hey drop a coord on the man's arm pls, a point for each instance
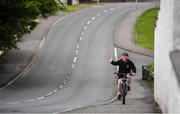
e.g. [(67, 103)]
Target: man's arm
[(115, 63), (133, 67)]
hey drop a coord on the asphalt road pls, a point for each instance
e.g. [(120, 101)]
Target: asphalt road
[(72, 68)]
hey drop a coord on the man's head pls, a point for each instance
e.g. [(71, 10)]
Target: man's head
[(125, 56)]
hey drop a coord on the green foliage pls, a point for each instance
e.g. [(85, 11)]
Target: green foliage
[(158, 108), (48, 7), (78, 7), (150, 72), (18, 17), (144, 29), (150, 75)]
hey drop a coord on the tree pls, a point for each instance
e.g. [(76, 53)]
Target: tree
[(18, 17)]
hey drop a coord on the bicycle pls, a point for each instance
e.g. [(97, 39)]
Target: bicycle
[(124, 88)]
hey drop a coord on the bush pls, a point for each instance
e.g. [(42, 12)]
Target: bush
[(150, 72)]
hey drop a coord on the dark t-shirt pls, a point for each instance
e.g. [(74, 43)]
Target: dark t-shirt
[(125, 67)]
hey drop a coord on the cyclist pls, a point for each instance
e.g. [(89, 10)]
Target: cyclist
[(125, 66)]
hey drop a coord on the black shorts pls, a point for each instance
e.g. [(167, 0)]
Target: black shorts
[(122, 75)]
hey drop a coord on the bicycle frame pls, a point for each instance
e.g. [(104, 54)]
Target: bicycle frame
[(123, 87)]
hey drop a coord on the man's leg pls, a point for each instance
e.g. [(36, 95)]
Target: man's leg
[(119, 86), (128, 81)]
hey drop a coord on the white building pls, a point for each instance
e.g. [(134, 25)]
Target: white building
[(69, 2), (167, 56)]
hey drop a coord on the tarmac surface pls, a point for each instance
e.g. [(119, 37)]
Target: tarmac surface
[(66, 61), (140, 99)]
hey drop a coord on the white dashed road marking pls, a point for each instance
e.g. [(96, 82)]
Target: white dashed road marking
[(73, 66), (80, 38), (78, 46), (75, 58), (40, 98), (99, 14), (55, 90), (28, 100), (76, 52), (93, 18), (82, 33), (88, 22), (49, 94), (61, 86), (105, 11), (111, 8), (58, 20), (42, 42), (12, 103), (85, 27)]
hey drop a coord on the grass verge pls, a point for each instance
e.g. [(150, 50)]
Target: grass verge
[(78, 7), (144, 29)]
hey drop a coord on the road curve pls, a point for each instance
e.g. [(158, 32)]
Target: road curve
[(72, 68)]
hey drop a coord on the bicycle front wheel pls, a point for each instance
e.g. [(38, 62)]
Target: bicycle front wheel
[(124, 92)]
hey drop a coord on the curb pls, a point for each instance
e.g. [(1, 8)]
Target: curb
[(28, 66), (76, 108), (128, 49), (136, 52)]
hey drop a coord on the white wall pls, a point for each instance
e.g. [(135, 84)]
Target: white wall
[(74, 2), (167, 92), (63, 1)]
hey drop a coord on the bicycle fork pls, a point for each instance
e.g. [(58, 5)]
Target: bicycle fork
[(124, 91)]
